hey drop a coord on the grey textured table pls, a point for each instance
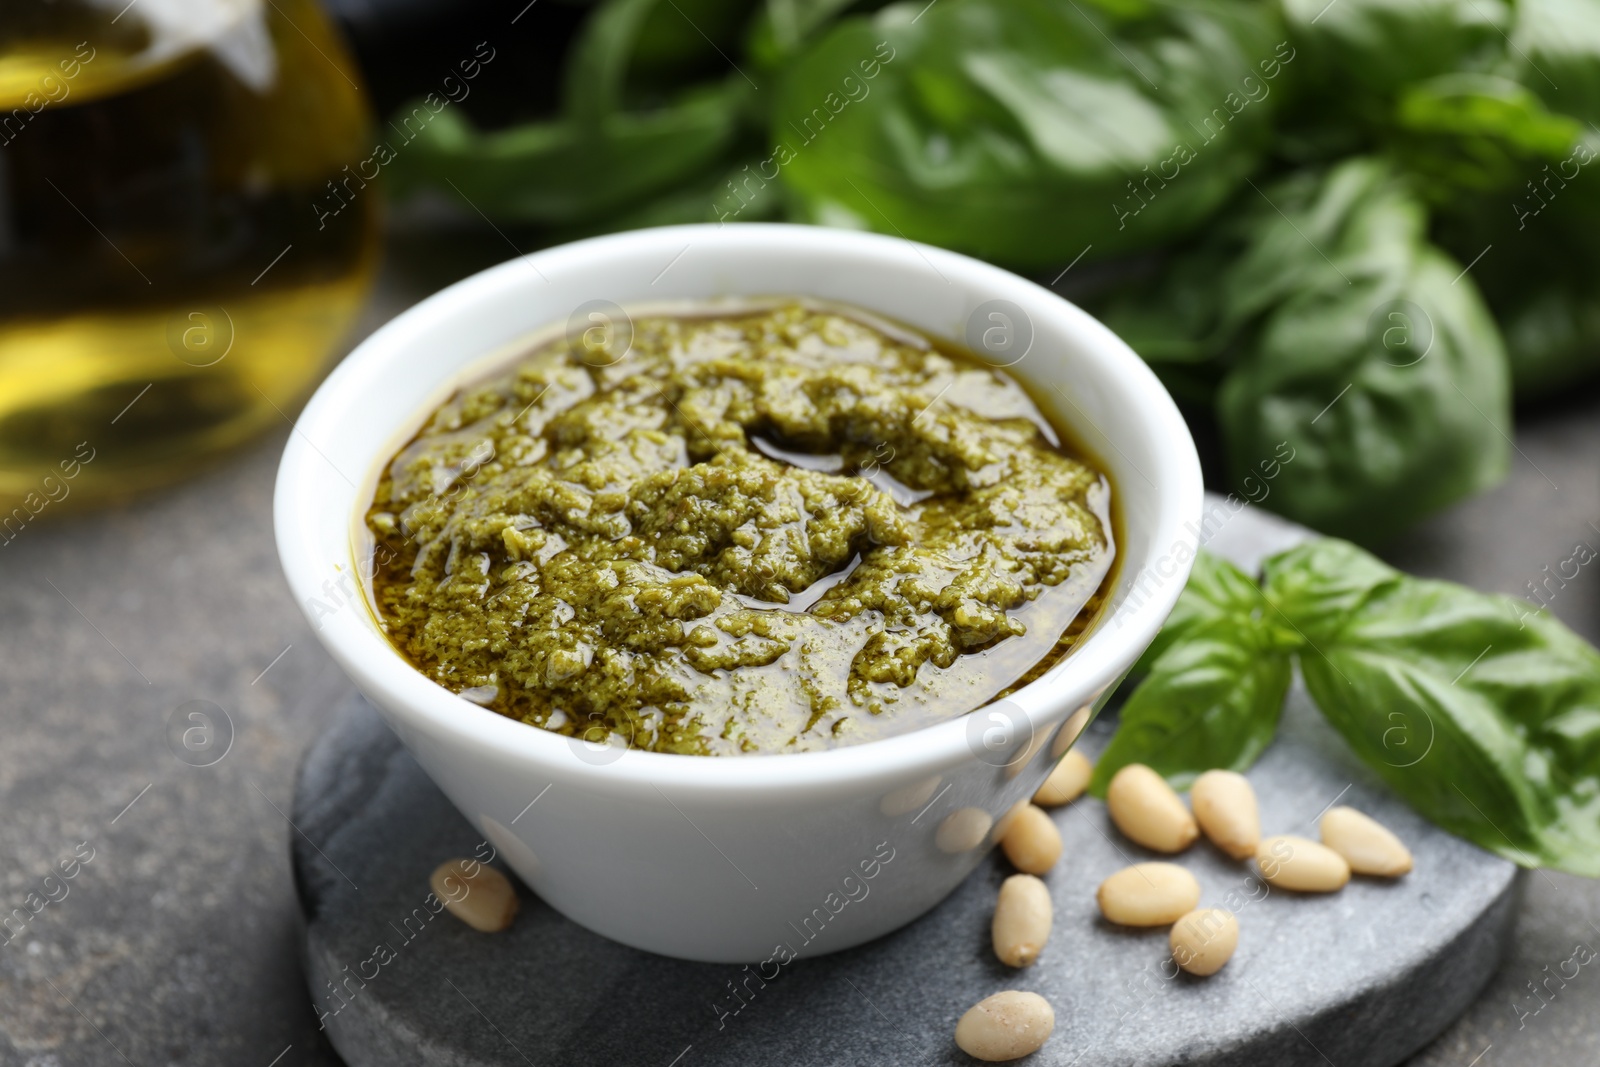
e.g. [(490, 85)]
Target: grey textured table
[(176, 943)]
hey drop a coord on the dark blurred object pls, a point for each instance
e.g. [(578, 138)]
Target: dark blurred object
[(649, 124), (407, 47), (185, 235)]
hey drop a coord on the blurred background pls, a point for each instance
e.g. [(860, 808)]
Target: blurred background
[(1364, 227)]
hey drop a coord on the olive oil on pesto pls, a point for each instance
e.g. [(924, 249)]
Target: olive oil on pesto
[(769, 530)]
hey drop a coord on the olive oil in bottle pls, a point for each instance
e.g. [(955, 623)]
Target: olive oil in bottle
[(172, 281)]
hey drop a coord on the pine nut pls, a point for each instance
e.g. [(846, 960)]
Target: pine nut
[(1031, 842), (1022, 917), (1148, 894), (1006, 1026), (1070, 730), (1002, 825), (963, 830), (1145, 808), (1366, 844), (478, 895), (1202, 941), (1289, 862), (1225, 807), (1067, 782)]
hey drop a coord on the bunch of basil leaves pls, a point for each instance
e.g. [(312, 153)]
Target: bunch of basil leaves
[(1482, 713), (1363, 228)]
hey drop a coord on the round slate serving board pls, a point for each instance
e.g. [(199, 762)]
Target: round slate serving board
[(1360, 978)]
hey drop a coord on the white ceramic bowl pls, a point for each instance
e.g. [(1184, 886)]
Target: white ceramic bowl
[(738, 859)]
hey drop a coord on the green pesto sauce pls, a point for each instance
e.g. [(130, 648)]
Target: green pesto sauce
[(771, 530)]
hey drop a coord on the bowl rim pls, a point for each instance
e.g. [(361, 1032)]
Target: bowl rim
[(417, 702)]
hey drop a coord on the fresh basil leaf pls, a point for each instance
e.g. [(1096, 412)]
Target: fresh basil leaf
[(597, 68), (1359, 57), (1259, 253), (599, 157), (1216, 590), (1215, 679), (1555, 49), (1174, 320), (1552, 330), (1318, 585), (1373, 357), (1375, 46), (1028, 131), (1481, 712), (689, 38), (1330, 322), (1488, 106), (701, 199), (783, 26), (1473, 133), (1539, 268), (1541, 276), (1309, 229), (1212, 699), (565, 173)]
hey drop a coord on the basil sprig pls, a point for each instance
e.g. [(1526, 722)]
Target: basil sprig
[(1217, 675), (1484, 715)]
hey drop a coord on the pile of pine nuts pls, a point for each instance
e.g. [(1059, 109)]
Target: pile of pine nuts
[(1013, 1024), (1148, 811)]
